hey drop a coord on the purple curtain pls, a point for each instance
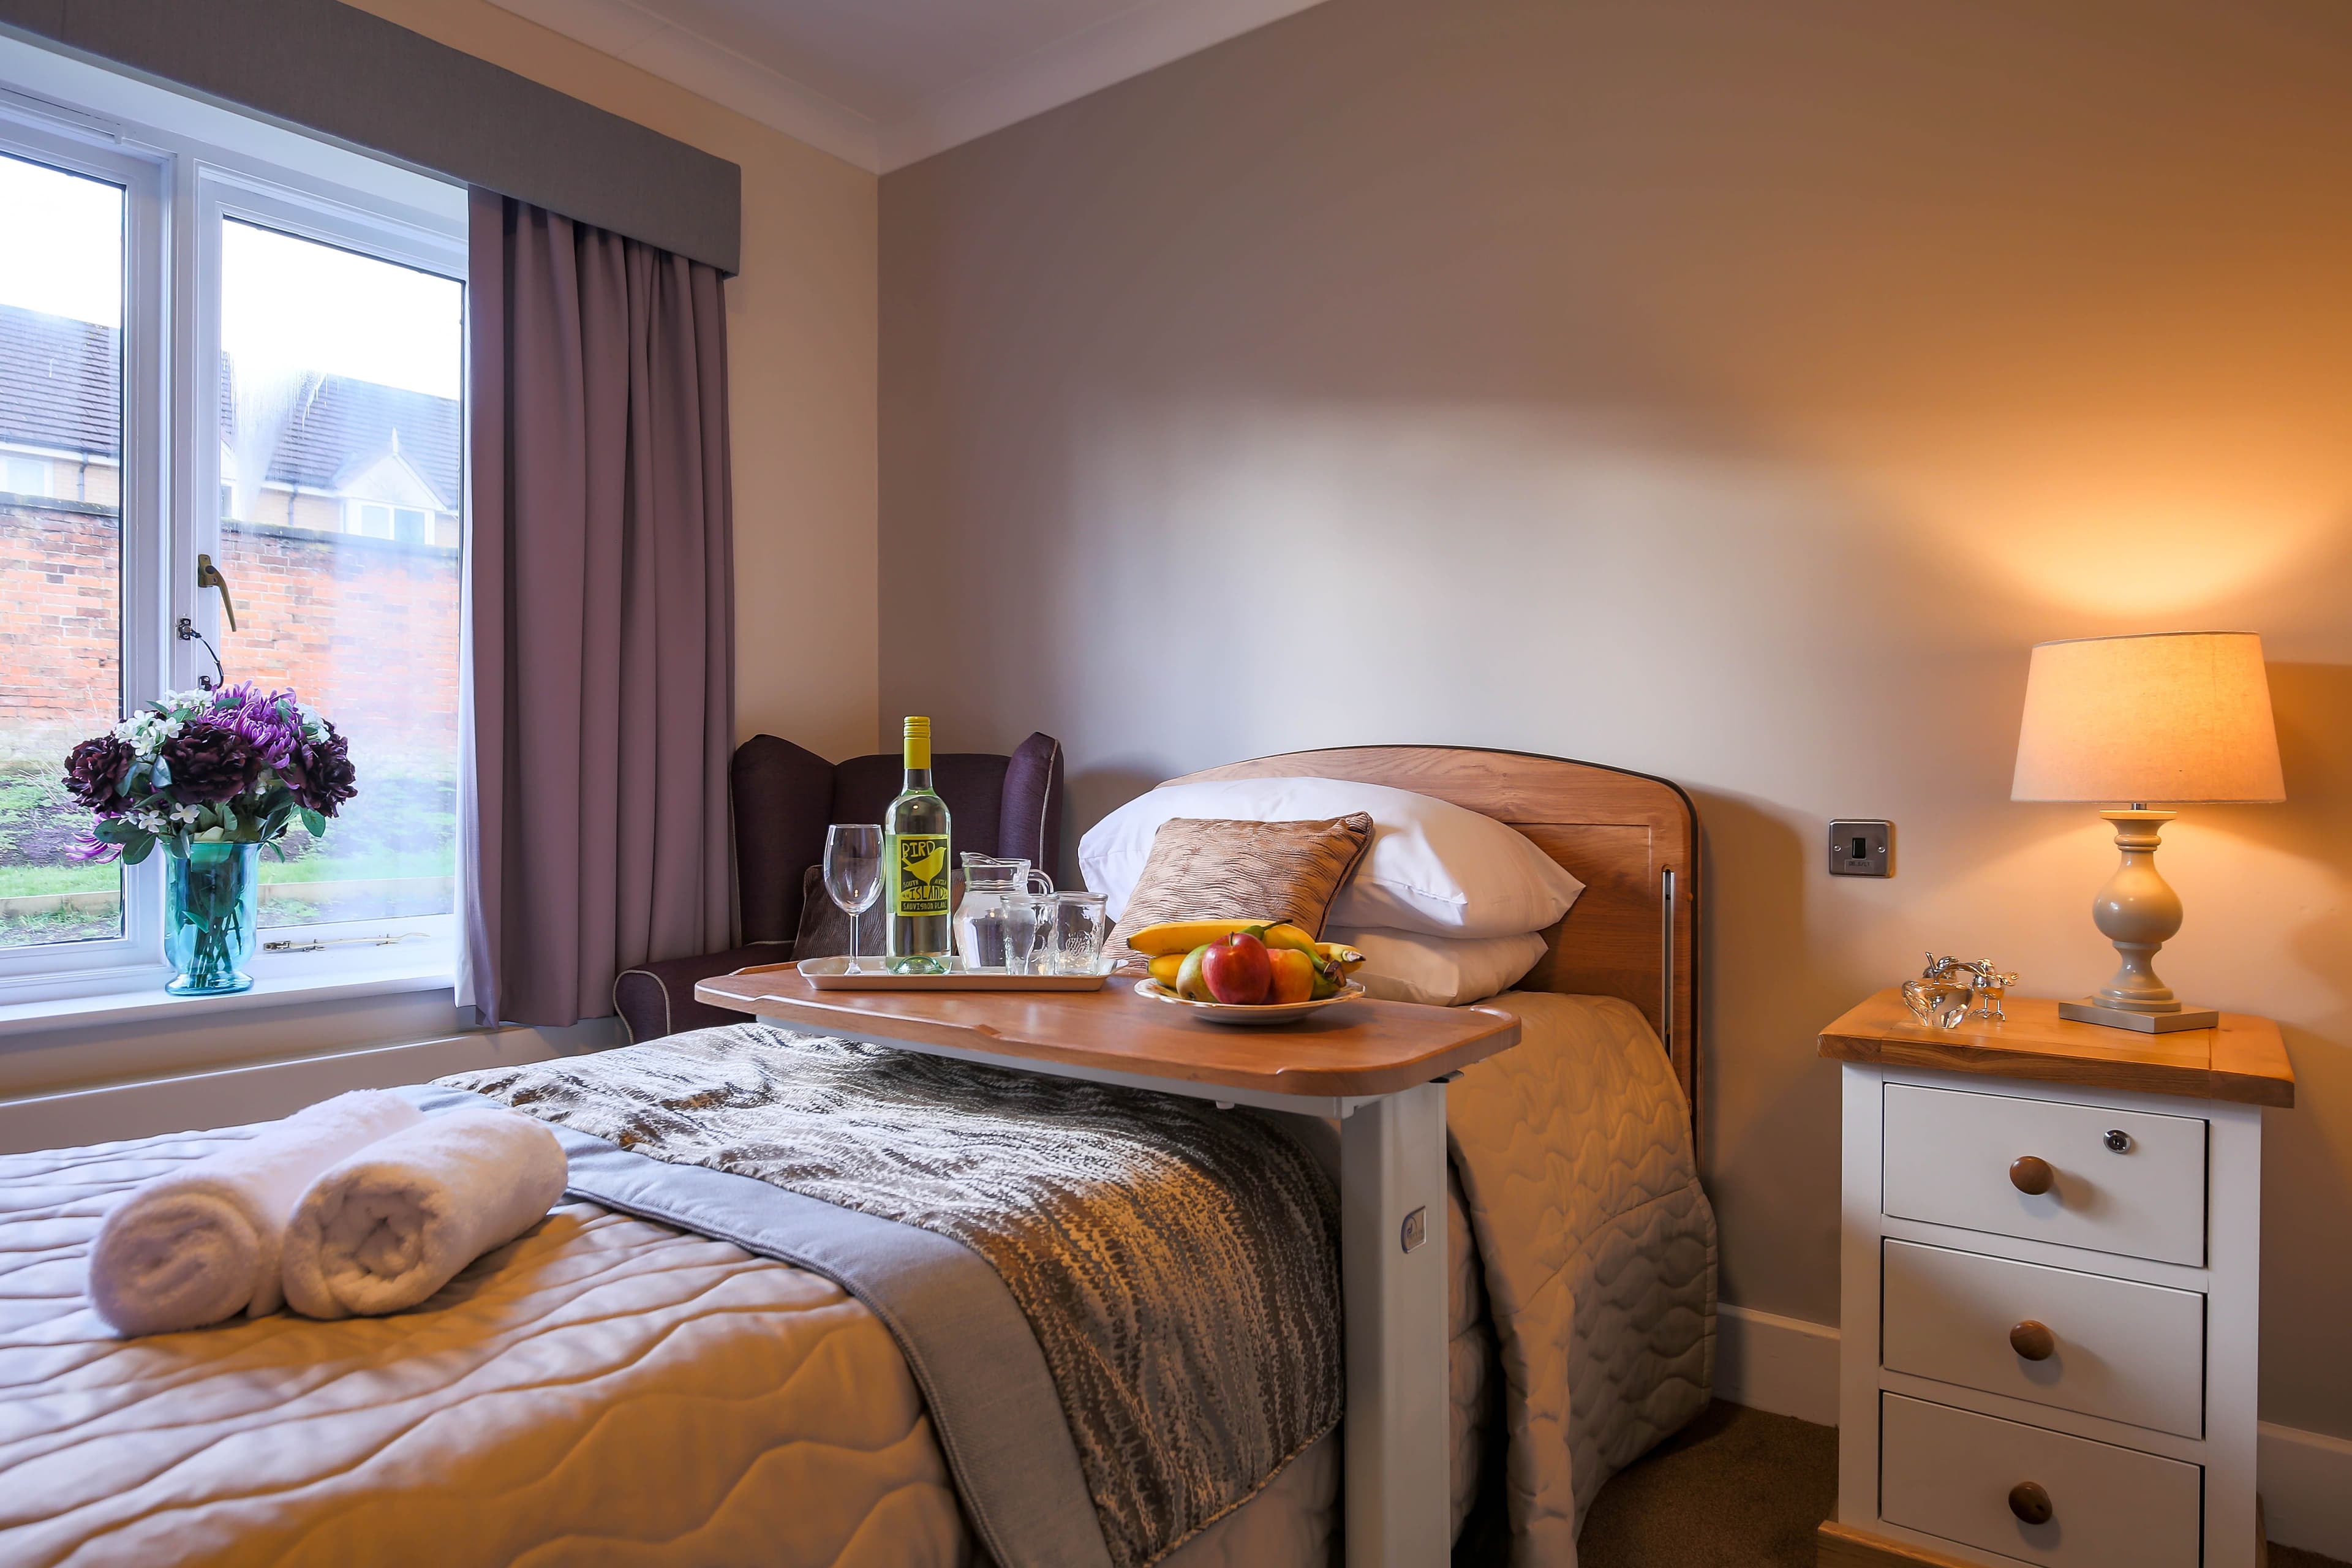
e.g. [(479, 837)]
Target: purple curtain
[(599, 615)]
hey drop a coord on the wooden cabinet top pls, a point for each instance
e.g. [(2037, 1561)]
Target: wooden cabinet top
[(2243, 1061), (1365, 1048)]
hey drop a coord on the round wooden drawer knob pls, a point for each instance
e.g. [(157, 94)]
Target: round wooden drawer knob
[(2033, 1341), (2032, 1175), (2030, 1504)]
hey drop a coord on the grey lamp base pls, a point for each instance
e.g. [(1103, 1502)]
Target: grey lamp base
[(2088, 1011)]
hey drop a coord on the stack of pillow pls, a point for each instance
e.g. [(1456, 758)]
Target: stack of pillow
[(1448, 906)]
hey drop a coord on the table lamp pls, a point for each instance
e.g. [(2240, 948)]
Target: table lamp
[(2176, 716)]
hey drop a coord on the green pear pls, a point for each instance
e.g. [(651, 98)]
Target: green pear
[(1191, 983)]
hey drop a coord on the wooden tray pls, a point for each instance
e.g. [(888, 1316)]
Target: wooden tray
[(831, 974)]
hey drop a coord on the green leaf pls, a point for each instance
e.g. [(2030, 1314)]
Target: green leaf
[(138, 849), (316, 823), (114, 830), (162, 774), (277, 848)]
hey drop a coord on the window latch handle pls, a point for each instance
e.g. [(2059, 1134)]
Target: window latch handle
[(209, 576)]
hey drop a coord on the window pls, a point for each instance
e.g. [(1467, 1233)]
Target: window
[(339, 363), (61, 654), (275, 330)]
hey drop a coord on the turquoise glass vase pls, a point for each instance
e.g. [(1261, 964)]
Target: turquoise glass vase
[(211, 917)]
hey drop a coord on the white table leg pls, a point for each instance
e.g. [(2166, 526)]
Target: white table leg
[(1398, 1499)]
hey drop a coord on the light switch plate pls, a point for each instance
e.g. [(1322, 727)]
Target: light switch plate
[(1862, 846)]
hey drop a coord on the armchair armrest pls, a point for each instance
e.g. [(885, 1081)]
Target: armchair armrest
[(657, 999)]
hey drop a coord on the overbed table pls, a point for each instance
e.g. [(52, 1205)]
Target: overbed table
[(1380, 1066)]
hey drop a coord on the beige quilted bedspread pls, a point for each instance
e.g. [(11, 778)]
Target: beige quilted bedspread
[(601, 1391), (1598, 1251)]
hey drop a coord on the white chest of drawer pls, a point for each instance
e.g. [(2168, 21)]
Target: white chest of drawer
[(2051, 1297)]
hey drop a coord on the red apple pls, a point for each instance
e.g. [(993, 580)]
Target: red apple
[(1237, 969)]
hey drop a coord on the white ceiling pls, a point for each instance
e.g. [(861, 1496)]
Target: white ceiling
[(883, 83)]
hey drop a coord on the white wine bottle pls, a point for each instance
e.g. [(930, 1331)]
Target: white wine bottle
[(915, 863)]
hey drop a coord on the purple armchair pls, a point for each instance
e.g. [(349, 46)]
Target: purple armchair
[(784, 797)]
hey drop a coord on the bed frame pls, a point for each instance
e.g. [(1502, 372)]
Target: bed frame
[(1632, 839)]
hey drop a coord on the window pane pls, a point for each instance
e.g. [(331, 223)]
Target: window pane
[(343, 400), (61, 540)]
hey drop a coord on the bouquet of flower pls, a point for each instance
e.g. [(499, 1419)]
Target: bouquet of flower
[(231, 766)]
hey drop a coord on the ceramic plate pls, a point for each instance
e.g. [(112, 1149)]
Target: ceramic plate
[(1229, 1013)]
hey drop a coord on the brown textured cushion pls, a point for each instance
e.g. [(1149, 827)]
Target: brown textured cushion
[(1208, 870)]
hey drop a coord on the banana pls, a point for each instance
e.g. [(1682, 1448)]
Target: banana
[(1165, 968), (1339, 952), (1181, 937)]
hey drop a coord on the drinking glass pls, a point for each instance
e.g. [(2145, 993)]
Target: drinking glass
[(1025, 917), (1075, 930), (852, 874)]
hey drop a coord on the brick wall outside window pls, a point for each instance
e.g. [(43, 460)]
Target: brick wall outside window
[(364, 629)]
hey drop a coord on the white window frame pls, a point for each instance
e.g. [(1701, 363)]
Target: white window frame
[(99, 965), (180, 182)]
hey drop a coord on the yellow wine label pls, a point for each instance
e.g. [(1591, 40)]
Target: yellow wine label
[(920, 887)]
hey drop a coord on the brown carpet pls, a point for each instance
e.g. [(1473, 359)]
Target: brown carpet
[(1736, 1488)]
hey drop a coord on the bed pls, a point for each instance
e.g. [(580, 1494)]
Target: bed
[(611, 1388)]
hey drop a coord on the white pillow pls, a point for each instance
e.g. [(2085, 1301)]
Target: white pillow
[(1445, 972), (1433, 866)]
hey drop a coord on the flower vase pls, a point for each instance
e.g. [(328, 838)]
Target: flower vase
[(211, 916)]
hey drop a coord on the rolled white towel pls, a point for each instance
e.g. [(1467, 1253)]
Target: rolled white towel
[(202, 1242), (393, 1223)]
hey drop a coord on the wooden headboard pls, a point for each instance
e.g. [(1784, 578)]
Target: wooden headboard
[(1633, 841)]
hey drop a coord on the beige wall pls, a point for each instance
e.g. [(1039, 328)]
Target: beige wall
[(1728, 391), (801, 347)]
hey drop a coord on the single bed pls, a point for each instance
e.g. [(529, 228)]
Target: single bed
[(611, 1389)]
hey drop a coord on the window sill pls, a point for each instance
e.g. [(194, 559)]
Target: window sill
[(429, 969)]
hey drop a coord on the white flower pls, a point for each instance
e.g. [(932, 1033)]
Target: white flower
[(186, 813)]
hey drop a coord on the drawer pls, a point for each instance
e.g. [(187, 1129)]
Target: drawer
[(1949, 1473), (1946, 1160), (2123, 1351)]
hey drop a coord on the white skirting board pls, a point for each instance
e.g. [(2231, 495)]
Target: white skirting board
[(1785, 1365), (1789, 1367), (230, 1097), (2306, 1487)]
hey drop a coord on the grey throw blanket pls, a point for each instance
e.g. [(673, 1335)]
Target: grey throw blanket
[(1177, 1264)]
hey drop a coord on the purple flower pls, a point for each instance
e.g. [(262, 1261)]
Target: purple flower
[(322, 777), (209, 764), (269, 721), (88, 848), (94, 772)]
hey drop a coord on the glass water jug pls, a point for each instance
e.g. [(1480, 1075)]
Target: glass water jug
[(996, 923)]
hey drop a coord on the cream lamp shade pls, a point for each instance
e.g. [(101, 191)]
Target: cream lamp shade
[(2176, 716)]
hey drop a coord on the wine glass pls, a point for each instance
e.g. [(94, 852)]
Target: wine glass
[(852, 874)]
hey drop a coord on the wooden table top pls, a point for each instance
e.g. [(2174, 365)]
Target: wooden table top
[(1364, 1048), (2243, 1061)]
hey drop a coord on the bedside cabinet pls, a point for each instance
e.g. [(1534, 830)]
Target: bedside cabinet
[(2050, 1249)]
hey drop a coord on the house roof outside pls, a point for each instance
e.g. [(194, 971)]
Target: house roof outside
[(58, 382)]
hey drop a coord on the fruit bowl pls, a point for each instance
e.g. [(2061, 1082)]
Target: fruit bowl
[(1261, 1014)]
